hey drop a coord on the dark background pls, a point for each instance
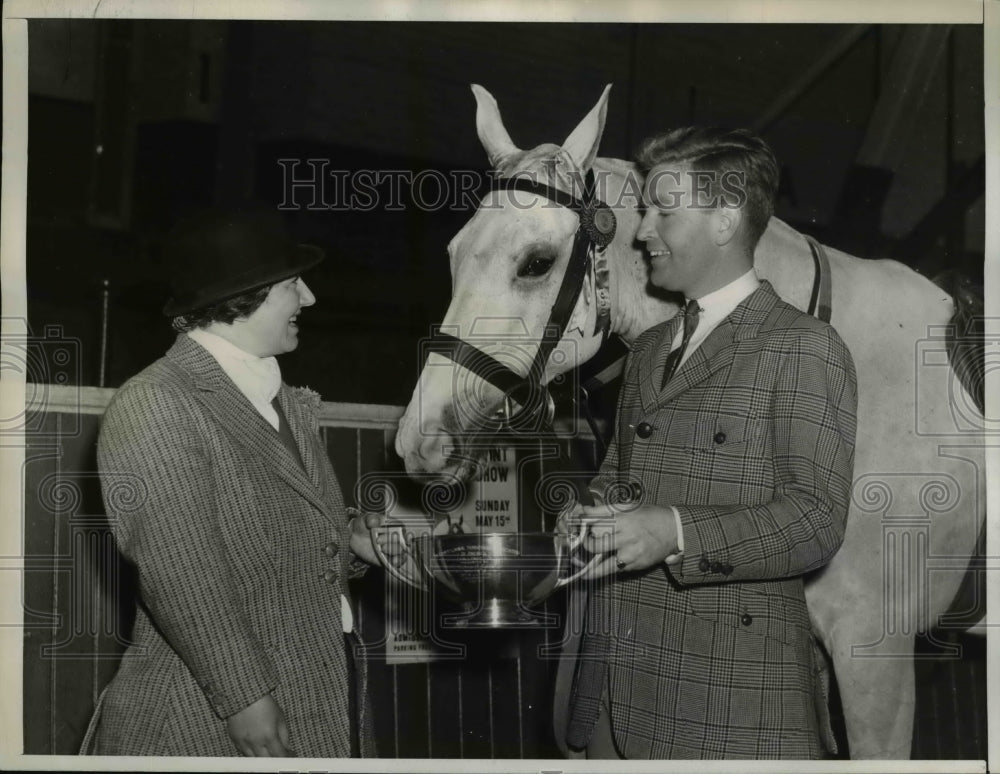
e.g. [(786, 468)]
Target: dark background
[(131, 123)]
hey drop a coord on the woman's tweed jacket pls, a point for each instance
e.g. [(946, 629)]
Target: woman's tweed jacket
[(242, 555), (753, 441)]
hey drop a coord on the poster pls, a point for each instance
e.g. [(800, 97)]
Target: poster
[(490, 506)]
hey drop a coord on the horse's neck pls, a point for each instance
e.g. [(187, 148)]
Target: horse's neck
[(633, 308), (783, 258)]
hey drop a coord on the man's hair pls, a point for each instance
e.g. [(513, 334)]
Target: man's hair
[(738, 159), (225, 311)]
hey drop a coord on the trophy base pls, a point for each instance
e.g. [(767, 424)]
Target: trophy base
[(498, 614)]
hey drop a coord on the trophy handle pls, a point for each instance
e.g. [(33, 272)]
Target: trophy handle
[(598, 558), (374, 524), (573, 539), (574, 542)]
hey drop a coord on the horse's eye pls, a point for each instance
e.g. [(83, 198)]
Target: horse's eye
[(536, 266)]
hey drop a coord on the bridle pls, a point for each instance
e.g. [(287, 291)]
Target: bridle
[(593, 235)]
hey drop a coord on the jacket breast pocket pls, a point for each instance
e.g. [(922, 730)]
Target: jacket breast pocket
[(774, 615), (718, 432)]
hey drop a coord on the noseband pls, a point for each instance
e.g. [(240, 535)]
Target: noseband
[(594, 234)]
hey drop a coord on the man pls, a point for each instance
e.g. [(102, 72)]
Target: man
[(219, 490), (728, 480)]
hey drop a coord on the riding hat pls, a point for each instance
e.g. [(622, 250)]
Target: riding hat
[(219, 254)]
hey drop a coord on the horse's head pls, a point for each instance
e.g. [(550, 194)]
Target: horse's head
[(507, 266)]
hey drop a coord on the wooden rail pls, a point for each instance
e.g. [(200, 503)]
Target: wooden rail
[(62, 399)]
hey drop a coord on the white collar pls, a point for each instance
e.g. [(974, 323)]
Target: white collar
[(719, 303), (259, 378)]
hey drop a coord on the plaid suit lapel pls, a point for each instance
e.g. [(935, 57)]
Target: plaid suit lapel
[(719, 347), (715, 352), (241, 421), (649, 370)]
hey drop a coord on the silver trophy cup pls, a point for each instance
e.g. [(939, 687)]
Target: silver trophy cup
[(493, 579)]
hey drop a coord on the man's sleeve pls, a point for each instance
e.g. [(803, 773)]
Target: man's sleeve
[(814, 420), (160, 498)]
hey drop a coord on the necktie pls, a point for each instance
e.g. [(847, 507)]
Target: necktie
[(674, 358)]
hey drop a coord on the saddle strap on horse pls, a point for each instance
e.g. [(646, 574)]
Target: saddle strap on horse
[(820, 300)]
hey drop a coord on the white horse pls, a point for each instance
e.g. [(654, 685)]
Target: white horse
[(918, 499)]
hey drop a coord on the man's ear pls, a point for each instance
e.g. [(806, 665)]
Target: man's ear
[(727, 224)]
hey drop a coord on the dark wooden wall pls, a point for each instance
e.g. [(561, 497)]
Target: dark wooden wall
[(493, 702), (72, 618), (190, 113)]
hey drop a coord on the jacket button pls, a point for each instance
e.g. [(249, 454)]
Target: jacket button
[(644, 430), (635, 491), (715, 567), (720, 437), (331, 549), (704, 565), (329, 576), (746, 619), (726, 569)]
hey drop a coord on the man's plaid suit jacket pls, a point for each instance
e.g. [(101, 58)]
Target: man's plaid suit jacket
[(753, 441)]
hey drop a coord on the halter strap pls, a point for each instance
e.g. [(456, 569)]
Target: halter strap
[(595, 232), (526, 184), (597, 220), (470, 357)]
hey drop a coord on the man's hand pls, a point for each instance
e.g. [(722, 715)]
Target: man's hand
[(391, 535), (635, 538), (388, 532), (260, 731), (361, 541)]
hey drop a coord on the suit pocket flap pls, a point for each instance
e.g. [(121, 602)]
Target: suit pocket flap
[(775, 615), (713, 431)]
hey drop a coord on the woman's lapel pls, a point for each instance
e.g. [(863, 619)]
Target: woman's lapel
[(244, 424)]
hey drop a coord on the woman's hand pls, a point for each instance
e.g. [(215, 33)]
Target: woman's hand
[(260, 731)]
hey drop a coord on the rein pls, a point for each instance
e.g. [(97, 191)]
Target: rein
[(595, 232)]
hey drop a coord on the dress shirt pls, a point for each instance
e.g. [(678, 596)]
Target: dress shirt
[(715, 307), (258, 378)]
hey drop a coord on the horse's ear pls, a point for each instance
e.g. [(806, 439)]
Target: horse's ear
[(583, 142), (489, 126)]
